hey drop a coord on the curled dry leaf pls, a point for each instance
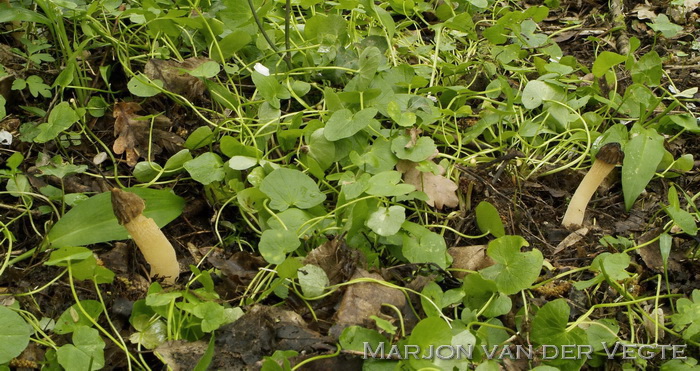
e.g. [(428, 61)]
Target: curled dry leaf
[(132, 133), (472, 258), (174, 75), (363, 300), (440, 190)]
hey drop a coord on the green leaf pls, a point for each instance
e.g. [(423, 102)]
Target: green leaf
[(9, 14), (605, 61), (648, 70), (93, 221), (206, 70), (424, 246), (88, 269), (321, 149), (430, 331), (207, 357), (212, 315), (290, 187), (386, 184), (423, 148), (86, 352), (602, 332), (150, 333), (242, 162), (682, 218), (404, 119), (387, 220), (270, 89), (488, 220), (61, 118), (232, 43), (642, 154), (537, 91), (514, 270), (3, 110), (479, 292), (549, 328), (355, 337), (275, 244), (665, 26), (686, 318), (313, 280), (326, 29), (73, 318), (141, 86), (206, 168), (14, 334), (62, 256), (344, 124), (202, 136)]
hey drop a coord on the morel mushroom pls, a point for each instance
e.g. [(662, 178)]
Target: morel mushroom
[(159, 253), (606, 160)]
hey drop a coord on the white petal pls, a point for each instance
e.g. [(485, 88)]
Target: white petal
[(5, 137), (99, 158), (259, 68)]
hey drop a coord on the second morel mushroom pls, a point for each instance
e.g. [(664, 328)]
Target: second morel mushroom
[(155, 247), (607, 158)]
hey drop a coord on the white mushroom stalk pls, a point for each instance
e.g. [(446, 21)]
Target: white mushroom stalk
[(606, 160), (155, 247)]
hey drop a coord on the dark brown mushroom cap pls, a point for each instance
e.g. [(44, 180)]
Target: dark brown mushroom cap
[(126, 205), (610, 153)]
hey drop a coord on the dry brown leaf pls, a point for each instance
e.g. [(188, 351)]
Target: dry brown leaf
[(132, 132), (174, 78), (472, 258), (440, 190), (363, 300)]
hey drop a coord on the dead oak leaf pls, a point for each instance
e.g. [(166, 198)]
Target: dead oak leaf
[(129, 131), (440, 190), (132, 133)]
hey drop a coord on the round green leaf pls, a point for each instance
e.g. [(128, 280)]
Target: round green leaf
[(86, 352), (387, 220), (14, 334), (141, 86), (242, 162), (206, 70), (313, 280), (61, 118), (488, 220), (423, 148), (536, 92), (514, 270), (343, 124), (206, 168), (275, 244), (290, 187)]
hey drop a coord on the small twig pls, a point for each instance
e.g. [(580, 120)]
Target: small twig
[(19, 209)]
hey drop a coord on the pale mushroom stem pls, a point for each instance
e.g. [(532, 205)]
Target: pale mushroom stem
[(584, 192), (155, 247), (606, 159)]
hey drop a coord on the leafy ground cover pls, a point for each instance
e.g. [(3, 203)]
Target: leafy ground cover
[(338, 176)]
